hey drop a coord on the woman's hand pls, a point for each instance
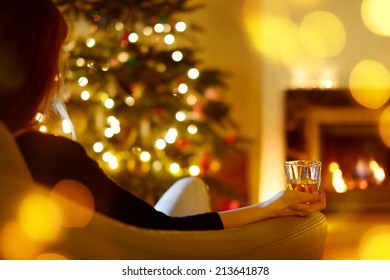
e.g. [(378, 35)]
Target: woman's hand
[(284, 203), (288, 203)]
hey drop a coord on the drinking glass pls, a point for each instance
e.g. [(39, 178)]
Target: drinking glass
[(303, 175)]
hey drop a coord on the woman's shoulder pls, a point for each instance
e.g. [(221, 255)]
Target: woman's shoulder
[(45, 141), (33, 135)]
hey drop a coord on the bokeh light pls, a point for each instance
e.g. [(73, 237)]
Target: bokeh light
[(15, 244), (384, 126), (51, 256), (375, 15), (193, 73), (194, 170), (159, 28), (269, 35), (177, 56), (181, 26), (277, 37), (145, 156), (322, 34), (306, 3), (133, 37), (37, 217), (175, 168), (375, 244), (369, 83), (65, 194)]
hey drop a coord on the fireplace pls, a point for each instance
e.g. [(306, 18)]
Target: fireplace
[(328, 125)]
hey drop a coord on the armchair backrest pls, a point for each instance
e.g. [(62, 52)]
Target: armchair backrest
[(28, 231), (11, 160)]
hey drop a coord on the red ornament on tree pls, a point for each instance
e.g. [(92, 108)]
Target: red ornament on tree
[(181, 143), (205, 162), (230, 139), (197, 109), (125, 39)]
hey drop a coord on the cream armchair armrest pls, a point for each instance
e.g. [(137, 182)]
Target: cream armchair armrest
[(280, 238), (105, 238)]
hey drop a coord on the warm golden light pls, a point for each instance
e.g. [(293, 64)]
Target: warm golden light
[(123, 57), (39, 117), (38, 217), (171, 135), (177, 56), (180, 116), (111, 160), (113, 164), (85, 95), (160, 144), (98, 147), (130, 101), (16, 244), (159, 28), (375, 244), (145, 156), (278, 38), (333, 166), (119, 26), (194, 170), (378, 171), (67, 126), (43, 128), (270, 34), (306, 3), (115, 124), (109, 103), (369, 83), (192, 129), (384, 126), (65, 194), (191, 99), (322, 34), (338, 182), (133, 37), (175, 168), (91, 42), (375, 15), (108, 132), (182, 88), (147, 30), (80, 62), (193, 73), (83, 81), (157, 165), (169, 39), (215, 166), (180, 26), (51, 256)]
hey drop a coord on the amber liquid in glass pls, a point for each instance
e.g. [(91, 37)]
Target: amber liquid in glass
[(303, 185)]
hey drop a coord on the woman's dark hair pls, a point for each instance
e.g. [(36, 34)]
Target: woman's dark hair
[(31, 38)]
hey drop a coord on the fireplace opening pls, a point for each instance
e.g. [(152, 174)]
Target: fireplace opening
[(353, 157), (328, 125)]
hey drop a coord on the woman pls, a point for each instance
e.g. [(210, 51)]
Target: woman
[(31, 37)]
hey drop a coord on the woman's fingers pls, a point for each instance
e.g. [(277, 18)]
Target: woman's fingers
[(301, 203)]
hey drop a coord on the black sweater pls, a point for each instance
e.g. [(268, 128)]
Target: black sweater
[(52, 159)]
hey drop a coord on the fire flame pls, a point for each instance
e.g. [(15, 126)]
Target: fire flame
[(337, 178), (363, 169), (378, 172)]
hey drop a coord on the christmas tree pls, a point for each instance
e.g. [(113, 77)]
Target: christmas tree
[(141, 103)]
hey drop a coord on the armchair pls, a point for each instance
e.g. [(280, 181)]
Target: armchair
[(105, 238)]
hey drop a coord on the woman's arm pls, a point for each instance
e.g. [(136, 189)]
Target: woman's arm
[(284, 203)]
